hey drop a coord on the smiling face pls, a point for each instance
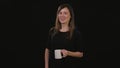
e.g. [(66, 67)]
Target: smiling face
[(64, 16)]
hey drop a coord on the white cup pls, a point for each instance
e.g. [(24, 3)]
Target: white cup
[(58, 54)]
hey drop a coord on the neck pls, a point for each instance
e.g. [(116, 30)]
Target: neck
[(64, 27)]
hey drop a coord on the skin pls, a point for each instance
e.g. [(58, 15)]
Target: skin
[(64, 16)]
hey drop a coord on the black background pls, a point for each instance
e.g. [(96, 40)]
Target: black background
[(97, 20)]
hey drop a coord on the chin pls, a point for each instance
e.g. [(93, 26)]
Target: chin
[(62, 22)]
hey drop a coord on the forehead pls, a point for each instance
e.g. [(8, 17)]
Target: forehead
[(64, 9)]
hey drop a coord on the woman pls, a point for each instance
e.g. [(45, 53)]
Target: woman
[(66, 37)]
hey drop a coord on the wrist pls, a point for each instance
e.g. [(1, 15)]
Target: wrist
[(69, 53)]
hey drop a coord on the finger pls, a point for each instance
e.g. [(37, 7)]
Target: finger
[(63, 54)]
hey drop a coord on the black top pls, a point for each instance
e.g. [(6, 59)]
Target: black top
[(59, 41)]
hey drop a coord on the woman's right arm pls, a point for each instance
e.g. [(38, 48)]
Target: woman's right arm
[(46, 58)]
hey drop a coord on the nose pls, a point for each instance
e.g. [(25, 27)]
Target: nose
[(62, 15)]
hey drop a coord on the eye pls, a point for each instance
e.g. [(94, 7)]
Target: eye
[(60, 13), (65, 13)]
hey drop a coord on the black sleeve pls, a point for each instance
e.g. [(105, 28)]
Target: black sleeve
[(48, 41), (48, 44), (78, 41)]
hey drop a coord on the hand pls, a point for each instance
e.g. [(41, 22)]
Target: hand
[(64, 52)]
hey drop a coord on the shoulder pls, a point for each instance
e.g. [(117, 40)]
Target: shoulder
[(51, 30), (77, 33)]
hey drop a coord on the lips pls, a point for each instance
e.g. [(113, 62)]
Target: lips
[(62, 18)]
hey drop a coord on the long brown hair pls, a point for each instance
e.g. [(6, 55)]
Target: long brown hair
[(71, 25)]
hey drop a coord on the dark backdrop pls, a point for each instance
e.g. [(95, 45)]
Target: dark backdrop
[(96, 20), (86, 16)]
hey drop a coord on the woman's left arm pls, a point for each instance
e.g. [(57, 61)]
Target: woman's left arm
[(78, 47), (72, 54), (75, 54)]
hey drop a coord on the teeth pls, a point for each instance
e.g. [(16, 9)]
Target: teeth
[(62, 18)]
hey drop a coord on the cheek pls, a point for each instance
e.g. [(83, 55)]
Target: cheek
[(68, 17), (59, 16)]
